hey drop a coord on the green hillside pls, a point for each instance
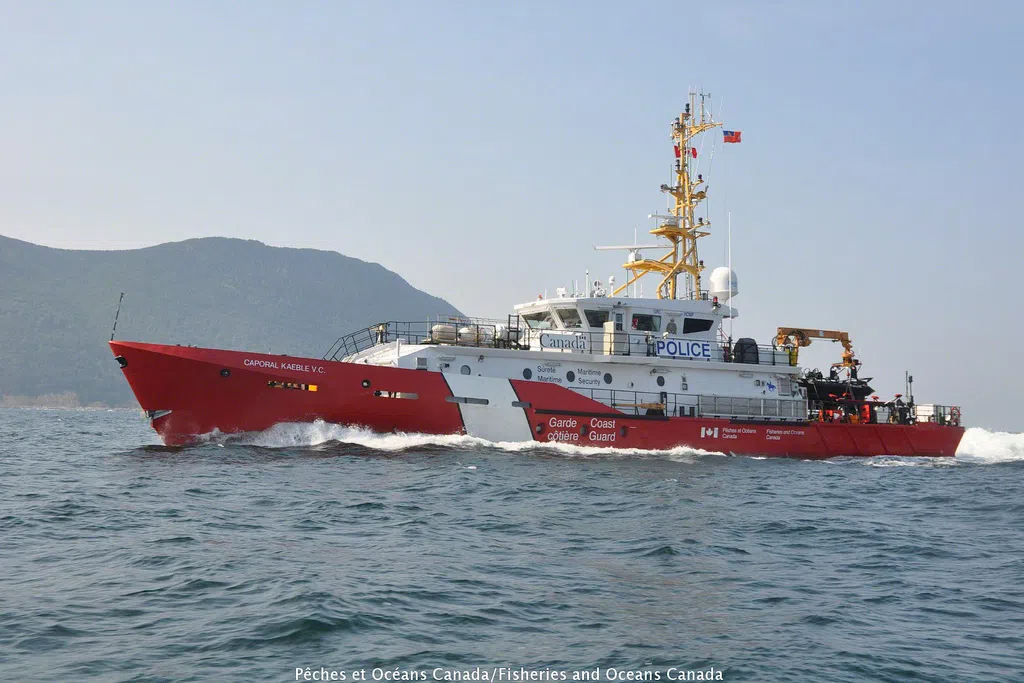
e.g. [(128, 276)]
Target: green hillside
[(57, 306)]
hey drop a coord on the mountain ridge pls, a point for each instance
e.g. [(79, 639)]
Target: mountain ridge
[(57, 305)]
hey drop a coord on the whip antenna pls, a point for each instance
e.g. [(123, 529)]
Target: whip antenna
[(114, 329)]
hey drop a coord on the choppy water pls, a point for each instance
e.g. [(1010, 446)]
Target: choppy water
[(320, 546)]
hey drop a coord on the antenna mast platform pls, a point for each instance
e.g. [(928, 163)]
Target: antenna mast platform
[(681, 228)]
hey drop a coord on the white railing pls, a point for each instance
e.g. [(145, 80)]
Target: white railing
[(732, 406)]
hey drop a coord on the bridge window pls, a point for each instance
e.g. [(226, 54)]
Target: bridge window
[(643, 322), (691, 325), (596, 318), (570, 317), (541, 320)]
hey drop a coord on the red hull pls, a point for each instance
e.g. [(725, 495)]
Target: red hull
[(578, 423), (208, 390)]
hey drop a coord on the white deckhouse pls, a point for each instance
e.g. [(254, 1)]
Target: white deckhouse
[(666, 356)]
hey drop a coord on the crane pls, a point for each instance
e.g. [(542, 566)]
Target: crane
[(800, 336)]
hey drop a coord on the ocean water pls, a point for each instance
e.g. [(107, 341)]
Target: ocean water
[(329, 548)]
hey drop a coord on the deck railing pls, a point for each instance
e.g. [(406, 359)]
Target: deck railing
[(636, 343), (670, 404), (514, 334), (442, 330), (888, 412)]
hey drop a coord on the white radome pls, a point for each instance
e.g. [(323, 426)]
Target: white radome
[(721, 279)]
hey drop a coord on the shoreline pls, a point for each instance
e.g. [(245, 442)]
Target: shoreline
[(67, 400)]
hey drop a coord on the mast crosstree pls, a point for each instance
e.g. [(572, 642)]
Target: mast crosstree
[(682, 227)]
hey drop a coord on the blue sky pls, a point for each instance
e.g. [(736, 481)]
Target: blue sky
[(481, 150)]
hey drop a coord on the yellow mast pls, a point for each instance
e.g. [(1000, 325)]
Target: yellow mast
[(682, 228)]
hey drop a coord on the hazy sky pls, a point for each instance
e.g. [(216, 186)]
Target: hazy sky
[(481, 149)]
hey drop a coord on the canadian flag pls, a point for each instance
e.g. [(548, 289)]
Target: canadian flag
[(709, 432)]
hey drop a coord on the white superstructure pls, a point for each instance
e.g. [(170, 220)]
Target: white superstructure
[(666, 356), (645, 355)]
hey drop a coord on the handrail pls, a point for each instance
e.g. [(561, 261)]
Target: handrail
[(634, 343), (512, 334), (455, 331), (884, 412), (479, 333), (672, 404)]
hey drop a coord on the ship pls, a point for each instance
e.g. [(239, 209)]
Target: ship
[(598, 366)]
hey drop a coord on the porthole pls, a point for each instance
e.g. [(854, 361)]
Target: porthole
[(225, 372), (539, 428), (624, 430), (366, 384), (527, 373), (570, 377), (584, 429), (465, 370), (661, 381), (607, 378)]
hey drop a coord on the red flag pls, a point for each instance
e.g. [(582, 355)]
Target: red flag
[(676, 148), (732, 135), (693, 152)]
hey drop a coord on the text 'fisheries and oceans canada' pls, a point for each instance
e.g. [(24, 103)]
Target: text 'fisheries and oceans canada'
[(508, 673)]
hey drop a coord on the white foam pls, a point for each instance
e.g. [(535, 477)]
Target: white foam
[(978, 445), (983, 446), (902, 461), (300, 434)]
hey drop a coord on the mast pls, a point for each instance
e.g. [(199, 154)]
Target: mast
[(682, 227)]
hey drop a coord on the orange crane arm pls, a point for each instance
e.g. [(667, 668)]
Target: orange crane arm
[(802, 336)]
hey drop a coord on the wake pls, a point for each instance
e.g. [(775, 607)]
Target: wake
[(978, 445), (983, 446), (300, 435)]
